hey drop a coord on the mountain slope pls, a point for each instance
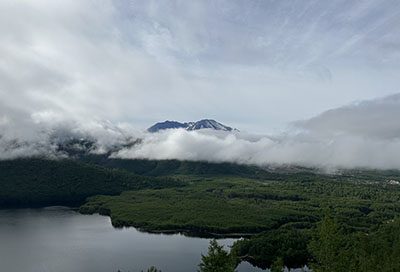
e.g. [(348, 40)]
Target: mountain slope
[(166, 125), (190, 126), (38, 182), (208, 123)]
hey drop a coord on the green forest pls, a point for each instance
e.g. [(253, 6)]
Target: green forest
[(40, 182), (347, 221)]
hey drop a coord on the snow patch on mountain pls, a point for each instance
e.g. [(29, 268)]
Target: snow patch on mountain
[(190, 126)]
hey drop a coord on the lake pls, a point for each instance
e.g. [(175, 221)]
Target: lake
[(60, 239)]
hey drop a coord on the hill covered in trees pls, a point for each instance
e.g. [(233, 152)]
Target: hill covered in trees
[(280, 212), (41, 182)]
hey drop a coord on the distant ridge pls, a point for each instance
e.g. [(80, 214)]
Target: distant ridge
[(166, 125), (202, 124)]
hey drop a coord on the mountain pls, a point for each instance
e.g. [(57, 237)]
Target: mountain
[(208, 123), (202, 124), (167, 125)]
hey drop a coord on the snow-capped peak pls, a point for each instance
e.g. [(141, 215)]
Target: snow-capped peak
[(202, 124)]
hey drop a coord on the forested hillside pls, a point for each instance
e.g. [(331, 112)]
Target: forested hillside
[(170, 167), (280, 211), (40, 182)]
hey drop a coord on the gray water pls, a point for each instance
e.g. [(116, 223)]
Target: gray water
[(60, 239)]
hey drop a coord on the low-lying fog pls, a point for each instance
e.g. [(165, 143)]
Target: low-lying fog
[(362, 134)]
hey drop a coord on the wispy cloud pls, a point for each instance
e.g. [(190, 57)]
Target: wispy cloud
[(257, 65)]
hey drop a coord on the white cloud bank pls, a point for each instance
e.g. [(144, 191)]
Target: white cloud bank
[(24, 135), (365, 134)]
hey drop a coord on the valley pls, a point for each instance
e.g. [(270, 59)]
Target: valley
[(216, 200)]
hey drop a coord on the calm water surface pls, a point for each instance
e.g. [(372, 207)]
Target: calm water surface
[(60, 239)]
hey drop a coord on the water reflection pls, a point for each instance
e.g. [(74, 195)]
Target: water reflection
[(60, 239)]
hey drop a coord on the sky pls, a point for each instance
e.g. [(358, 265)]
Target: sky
[(318, 69)]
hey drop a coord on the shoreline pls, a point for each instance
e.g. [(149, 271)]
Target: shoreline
[(198, 234), (183, 231)]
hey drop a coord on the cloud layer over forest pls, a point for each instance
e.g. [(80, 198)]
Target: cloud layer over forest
[(362, 134)]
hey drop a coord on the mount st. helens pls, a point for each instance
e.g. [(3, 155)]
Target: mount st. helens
[(202, 124), (73, 145), (66, 140)]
